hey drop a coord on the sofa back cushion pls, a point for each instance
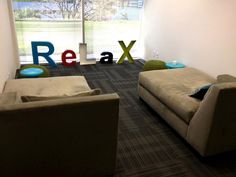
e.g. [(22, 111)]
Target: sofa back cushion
[(225, 78), (96, 91)]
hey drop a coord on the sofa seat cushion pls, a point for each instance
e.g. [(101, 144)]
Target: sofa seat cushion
[(9, 98), (52, 86), (173, 87)]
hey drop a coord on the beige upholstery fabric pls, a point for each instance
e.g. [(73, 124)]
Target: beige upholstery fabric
[(9, 98), (169, 116), (213, 128), (172, 87), (70, 137), (226, 78), (53, 86), (45, 98)]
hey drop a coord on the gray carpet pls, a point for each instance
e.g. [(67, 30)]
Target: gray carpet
[(147, 146)]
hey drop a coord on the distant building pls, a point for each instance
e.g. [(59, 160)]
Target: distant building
[(130, 3), (135, 3), (126, 9), (37, 6)]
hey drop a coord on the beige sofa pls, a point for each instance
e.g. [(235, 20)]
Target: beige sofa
[(75, 136), (208, 125)]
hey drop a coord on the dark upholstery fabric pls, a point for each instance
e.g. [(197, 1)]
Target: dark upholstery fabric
[(62, 138)]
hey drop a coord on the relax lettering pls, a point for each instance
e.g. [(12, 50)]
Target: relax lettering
[(68, 57)]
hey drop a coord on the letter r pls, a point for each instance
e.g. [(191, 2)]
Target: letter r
[(46, 55)]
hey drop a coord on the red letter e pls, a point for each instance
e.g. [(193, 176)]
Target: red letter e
[(65, 58)]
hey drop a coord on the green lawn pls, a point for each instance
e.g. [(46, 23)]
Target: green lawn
[(67, 34)]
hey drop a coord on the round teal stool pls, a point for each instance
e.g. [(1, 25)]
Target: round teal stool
[(31, 72), (172, 65), (154, 65), (35, 71)]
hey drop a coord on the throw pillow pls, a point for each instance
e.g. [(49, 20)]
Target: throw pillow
[(199, 93), (9, 98), (96, 91)]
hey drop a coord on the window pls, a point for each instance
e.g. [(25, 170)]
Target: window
[(60, 22)]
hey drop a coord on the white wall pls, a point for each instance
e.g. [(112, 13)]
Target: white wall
[(199, 33), (8, 50)]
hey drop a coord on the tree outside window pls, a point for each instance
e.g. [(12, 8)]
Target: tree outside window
[(60, 20)]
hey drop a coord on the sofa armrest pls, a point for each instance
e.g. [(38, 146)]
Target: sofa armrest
[(212, 130), (64, 137)]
